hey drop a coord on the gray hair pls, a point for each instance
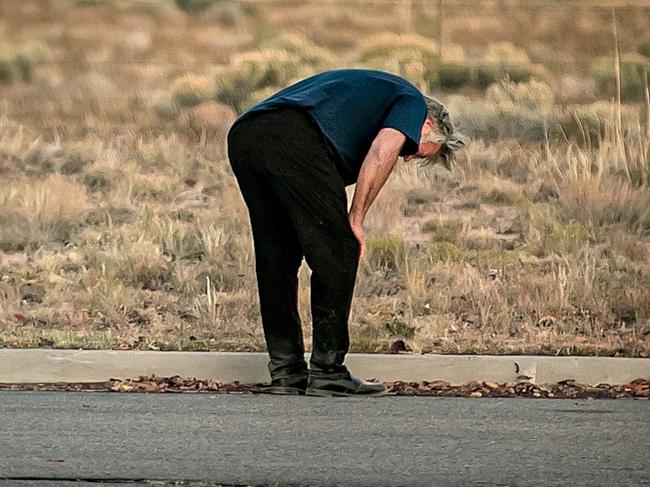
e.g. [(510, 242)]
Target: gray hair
[(445, 134)]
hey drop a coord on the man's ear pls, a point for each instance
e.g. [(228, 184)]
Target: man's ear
[(428, 125)]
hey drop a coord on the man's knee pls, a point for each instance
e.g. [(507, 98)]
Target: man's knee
[(336, 265), (277, 260)]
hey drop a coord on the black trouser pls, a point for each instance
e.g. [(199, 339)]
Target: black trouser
[(298, 207)]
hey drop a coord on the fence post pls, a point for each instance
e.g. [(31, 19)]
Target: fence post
[(407, 16), (617, 71), (439, 28)]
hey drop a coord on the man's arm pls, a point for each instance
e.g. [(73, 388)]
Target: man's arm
[(376, 167)]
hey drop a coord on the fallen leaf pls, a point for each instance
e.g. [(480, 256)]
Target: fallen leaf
[(122, 387), (398, 346), (637, 389), (45, 342), (476, 384)]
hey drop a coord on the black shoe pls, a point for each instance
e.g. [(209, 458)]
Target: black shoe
[(342, 384), (287, 385)]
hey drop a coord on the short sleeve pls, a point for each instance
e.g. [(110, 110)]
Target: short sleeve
[(407, 114)]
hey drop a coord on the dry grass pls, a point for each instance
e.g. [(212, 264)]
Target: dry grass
[(121, 223)]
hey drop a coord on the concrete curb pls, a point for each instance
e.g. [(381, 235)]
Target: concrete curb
[(51, 365)]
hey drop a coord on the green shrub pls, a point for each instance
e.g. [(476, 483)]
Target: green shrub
[(19, 62), (605, 76), (444, 231), (27, 58), (610, 201), (385, 45), (8, 72), (228, 14), (96, 181), (486, 74), (474, 117), (165, 109), (255, 71), (189, 91), (194, 6), (138, 264), (36, 212), (589, 124), (568, 238), (644, 48), (259, 95), (557, 238), (455, 75), (18, 234), (413, 56), (399, 328), (385, 252), (533, 96), (211, 117), (479, 239), (499, 197), (420, 196), (521, 110), (444, 251), (176, 239), (143, 266), (305, 50), (503, 60), (74, 162), (500, 117), (506, 53), (635, 72), (407, 65), (635, 69), (526, 125)]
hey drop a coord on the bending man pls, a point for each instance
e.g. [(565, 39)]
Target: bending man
[(293, 154)]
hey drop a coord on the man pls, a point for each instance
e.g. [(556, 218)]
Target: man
[(293, 154)]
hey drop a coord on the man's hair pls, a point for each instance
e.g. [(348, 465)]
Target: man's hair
[(444, 134)]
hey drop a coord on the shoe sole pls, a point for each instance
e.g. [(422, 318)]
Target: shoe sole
[(288, 391), (325, 393)]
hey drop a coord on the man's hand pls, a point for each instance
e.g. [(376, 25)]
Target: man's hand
[(358, 232), (376, 167)]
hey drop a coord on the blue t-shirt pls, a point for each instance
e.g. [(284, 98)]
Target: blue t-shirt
[(350, 106)]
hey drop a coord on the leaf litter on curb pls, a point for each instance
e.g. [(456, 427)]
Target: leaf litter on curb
[(523, 387)]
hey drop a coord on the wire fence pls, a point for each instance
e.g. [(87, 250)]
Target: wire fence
[(201, 63), (438, 10), (524, 4)]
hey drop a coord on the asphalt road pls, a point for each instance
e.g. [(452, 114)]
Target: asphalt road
[(54, 438)]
